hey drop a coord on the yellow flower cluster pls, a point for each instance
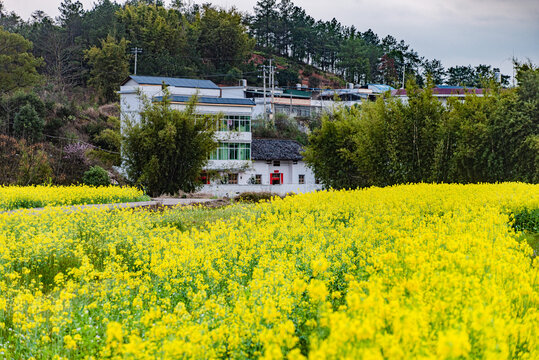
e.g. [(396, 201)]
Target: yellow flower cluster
[(413, 271), (14, 197)]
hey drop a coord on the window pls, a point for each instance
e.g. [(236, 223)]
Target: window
[(232, 151), (301, 179), (277, 163), (232, 178), (235, 123), (258, 179)]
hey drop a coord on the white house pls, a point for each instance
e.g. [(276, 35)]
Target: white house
[(276, 166), (235, 161)]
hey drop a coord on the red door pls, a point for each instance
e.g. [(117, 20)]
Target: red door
[(276, 178)]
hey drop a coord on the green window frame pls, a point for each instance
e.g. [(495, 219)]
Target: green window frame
[(232, 151), (235, 123)]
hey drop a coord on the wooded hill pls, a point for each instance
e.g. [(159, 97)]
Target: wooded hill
[(82, 48), (57, 75)]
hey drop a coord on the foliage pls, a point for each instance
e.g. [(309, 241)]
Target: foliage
[(330, 150), (405, 271), (254, 196), (74, 162), (10, 106), (188, 39), (470, 76), (481, 139), (9, 159), (34, 165), (96, 176), (166, 149), (110, 66), (282, 127), (526, 220), (167, 38), (18, 67), (27, 124), (17, 197), (223, 41)]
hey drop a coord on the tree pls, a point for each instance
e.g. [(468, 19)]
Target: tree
[(461, 76), (265, 22), (99, 22), (110, 65), (13, 104), (223, 41), (166, 36), (167, 149), (9, 21), (331, 148), (435, 69), (18, 67), (27, 124), (354, 60)]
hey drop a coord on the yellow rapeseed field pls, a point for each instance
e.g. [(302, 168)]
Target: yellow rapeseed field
[(14, 197), (405, 272)]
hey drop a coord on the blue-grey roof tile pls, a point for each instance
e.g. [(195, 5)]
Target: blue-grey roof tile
[(276, 149), (178, 82), (210, 100)]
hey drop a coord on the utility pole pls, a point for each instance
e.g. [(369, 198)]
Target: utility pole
[(264, 77), (403, 73), (136, 51), (272, 84)]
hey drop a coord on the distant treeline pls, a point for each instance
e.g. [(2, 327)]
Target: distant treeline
[(92, 47)]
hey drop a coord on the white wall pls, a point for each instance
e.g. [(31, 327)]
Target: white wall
[(234, 190), (248, 169), (132, 95), (233, 92)]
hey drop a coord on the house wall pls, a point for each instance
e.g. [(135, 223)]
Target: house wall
[(234, 190), (133, 93), (247, 171), (233, 92)]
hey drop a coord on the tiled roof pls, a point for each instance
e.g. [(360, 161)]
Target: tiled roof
[(210, 100), (177, 82), (276, 149)]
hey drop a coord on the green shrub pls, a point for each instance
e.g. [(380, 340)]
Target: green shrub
[(254, 196), (96, 176), (527, 220)]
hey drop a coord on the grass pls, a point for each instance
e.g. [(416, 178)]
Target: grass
[(186, 218), (532, 239), (527, 221)]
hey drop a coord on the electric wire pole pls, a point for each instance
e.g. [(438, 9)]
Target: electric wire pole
[(272, 84), (264, 77), (136, 51)]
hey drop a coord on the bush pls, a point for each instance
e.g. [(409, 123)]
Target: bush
[(74, 163), (9, 159), (28, 124), (254, 196), (96, 176), (34, 166)]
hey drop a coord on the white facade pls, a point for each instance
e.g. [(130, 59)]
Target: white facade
[(133, 94), (294, 176), (232, 161)]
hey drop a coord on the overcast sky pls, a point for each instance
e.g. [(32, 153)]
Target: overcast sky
[(457, 32)]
